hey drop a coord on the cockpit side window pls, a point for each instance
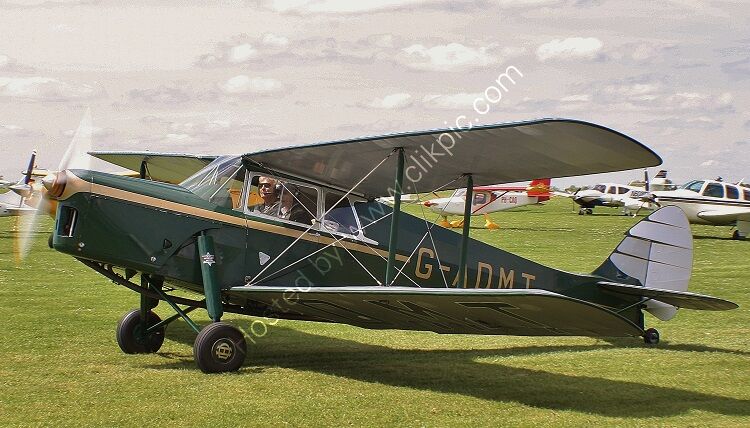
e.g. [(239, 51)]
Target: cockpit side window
[(714, 190), (600, 188), (732, 192), (281, 199), (612, 190), (480, 198), (622, 190), (340, 214), (694, 186)]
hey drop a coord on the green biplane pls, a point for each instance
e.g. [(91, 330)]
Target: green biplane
[(297, 233)]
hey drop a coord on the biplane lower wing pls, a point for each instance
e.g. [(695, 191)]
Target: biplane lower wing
[(680, 299), (519, 312)]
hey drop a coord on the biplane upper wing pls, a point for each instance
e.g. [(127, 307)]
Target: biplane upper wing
[(520, 312), (167, 167), (501, 153)]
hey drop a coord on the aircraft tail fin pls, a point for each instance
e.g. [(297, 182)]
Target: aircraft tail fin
[(540, 188), (656, 253)]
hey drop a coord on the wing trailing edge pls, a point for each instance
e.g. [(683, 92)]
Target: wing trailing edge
[(518, 312)]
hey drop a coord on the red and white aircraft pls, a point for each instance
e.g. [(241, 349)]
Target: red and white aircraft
[(489, 199)]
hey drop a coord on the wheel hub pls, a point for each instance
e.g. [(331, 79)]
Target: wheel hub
[(222, 350)]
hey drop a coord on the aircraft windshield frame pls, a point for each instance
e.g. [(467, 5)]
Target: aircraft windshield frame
[(213, 183), (694, 186)]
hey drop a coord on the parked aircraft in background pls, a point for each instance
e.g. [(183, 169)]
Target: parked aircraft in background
[(610, 195), (629, 197), (710, 202), (489, 199)]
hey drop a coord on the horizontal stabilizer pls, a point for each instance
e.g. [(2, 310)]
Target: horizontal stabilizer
[(518, 312), (680, 299)]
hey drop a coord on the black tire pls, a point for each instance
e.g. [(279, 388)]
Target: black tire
[(736, 236), (130, 335), (651, 336), (589, 211), (219, 348), (581, 212)]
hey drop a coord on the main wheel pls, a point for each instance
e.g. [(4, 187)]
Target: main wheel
[(132, 337), (581, 211), (589, 211), (651, 336), (736, 236), (218, 348)]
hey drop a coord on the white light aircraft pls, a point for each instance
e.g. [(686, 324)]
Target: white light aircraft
[(710, 202), (489, 199), (630, 197)]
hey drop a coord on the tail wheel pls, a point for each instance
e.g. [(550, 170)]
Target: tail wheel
[(219, 348), (132, 337), (651, 336)]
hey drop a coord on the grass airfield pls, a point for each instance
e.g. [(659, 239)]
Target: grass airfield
[(60, 364)]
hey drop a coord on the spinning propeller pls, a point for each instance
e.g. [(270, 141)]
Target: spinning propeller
[(76, 157)]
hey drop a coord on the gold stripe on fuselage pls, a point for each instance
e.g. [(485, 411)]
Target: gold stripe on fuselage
[(77, 185)]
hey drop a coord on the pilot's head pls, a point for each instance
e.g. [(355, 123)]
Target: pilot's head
[(267, 190)]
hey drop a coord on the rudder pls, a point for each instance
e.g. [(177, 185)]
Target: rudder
[(657, 253)]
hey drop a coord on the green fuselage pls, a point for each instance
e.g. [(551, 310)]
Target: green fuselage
[(152, 227)]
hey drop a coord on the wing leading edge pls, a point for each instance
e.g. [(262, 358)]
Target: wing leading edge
[(493, 154), (442, 310)]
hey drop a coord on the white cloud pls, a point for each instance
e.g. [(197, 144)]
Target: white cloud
[(17, 131), (46, 89), (450, 57), (270, 39), (243, 84), (570, 48), (392, 101), (577, 98), (671, 125), (460, 101), (242, 53), (173, 94), (341, 6), (11, 65)]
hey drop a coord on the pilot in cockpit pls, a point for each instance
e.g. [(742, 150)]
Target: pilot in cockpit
[(269, 192)]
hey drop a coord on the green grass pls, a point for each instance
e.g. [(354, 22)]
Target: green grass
[(60, 364)]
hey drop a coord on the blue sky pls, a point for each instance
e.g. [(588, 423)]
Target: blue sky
[(234, 77)]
